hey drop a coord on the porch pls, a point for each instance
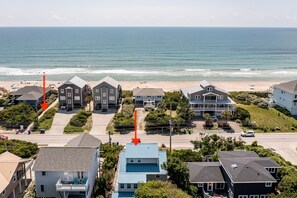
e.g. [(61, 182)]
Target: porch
[(72, 185)]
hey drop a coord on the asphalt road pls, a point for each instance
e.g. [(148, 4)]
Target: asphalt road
[(284, 143)]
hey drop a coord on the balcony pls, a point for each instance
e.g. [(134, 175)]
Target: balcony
[(75, 185), (215, 194)]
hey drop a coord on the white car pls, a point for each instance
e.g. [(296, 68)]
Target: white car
[(248, 133)]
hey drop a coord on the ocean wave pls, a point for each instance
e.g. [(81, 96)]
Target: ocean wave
[(197, 70)]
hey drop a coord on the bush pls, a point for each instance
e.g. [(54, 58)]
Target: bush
[(257, 101), (263, 105), (282, 110), (128, 110), (127, 94), (241, 113), (77, 122), (128, 101), (16, 115), (20, 148)]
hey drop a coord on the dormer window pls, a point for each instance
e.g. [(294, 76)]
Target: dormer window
[(209, 88), (268, 184), (271, 170), (198, 97)]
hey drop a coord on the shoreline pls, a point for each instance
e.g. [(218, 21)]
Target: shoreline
[(165, 85)]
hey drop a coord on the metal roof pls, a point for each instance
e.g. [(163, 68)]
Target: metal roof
[(109, 81), (142, 150), (205, 172), (84, 140), (64, 159), (76, 81), (148, 92), (205, 83), (290, 86)]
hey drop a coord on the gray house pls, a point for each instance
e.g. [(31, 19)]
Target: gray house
[(73, 92), (32, 95), (285, 95), (68, 171), (106, 93), (148, 96), (207, 98), (241, 174)]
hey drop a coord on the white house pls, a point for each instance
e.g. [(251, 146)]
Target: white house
[(137, 164), (68, 171), (285, 95), (207, 98), (148, 96)]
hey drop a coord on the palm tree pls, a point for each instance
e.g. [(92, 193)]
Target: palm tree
[(208, 120), (226, 115)]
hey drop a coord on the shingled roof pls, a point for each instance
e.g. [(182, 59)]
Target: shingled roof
[(290, 86), (76, 81), (148, 92), (205, 172), (64, 159), (233, 154), (109, 81), (84, 140), (29, 89)]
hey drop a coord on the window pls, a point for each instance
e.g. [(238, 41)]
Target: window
[(243, 196), (209, 88), (42, 188), (62, 98), (139, 160), (69, 101), (69, 94), (158, 176), (111, 98), (200, 185), (14, 177), (97, 97), (76, 97), (62, 90), (131, 160), (295, 97), (128, 185), (76, 90), (104, 94), (111, 91), (197, 97), (3, 192), (254, 196), (97, 90), (43, 173), (268, 184), (104, 101), (221, 97), (263, 196), (220, 185), (271, 170), (135, 186), (122, 186)]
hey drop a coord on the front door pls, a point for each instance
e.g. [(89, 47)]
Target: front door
[(210, 187), (104, 98)]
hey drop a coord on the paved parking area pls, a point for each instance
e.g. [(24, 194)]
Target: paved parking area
[(101, 120), (61, 119)]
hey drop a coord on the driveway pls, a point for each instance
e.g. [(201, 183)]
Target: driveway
[(100, 121), (61, 119)]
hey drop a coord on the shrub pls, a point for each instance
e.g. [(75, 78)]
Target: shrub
[(128, 110), (263, 105), (127, 94), (257, 101), (80, 119), (128, 101), (20, 148), (241, 113), (282, 110)]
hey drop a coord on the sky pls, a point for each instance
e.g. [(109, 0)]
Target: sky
[(188, 13)]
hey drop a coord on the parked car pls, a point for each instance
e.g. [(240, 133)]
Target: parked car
[(42, 131), (3, 137), (247, 133)]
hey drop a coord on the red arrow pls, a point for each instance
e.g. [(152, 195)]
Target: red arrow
[(44, 105), (135, 140)]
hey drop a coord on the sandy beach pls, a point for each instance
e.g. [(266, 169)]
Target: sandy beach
[(167, 86)]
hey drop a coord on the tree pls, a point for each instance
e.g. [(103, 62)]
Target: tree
[(208, 120), (88, 100), (185, 111), (159, 189), (226, 115), (288, 183)]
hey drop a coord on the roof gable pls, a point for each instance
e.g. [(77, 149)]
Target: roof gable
[(290, 86), (204, 172), (148, 92), (142, 150), (76, 81), (109, 81), (84, 140)]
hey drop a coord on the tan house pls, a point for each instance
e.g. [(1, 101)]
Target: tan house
[(13, 175), (148, 97)]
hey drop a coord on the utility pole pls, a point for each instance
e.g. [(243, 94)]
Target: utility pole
[(109, 137), (170, 122)]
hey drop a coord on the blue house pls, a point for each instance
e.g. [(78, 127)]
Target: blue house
[(138, 164)]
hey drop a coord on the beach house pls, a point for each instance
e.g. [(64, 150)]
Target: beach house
[(73, 92), (241, 174), (285, 95), (32, 95), (106, 94), (68, 171), (15, 175), (148, 97), (138, 164), (207, 98)]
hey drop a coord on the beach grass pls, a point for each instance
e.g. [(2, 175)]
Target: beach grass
[(270, 119)]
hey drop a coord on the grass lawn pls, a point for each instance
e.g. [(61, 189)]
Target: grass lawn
[(271, 119)]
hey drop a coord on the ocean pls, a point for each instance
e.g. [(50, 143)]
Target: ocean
[(149, 54)]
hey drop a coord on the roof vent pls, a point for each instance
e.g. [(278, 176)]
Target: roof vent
[(234, 166)]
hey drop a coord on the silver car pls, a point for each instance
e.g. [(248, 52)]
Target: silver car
[(248, 133)]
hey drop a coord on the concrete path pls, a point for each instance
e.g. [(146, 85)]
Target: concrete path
[(235, 126), (100, 121), (61, 119)]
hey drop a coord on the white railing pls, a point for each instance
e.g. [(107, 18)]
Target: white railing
[(60, 186)]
